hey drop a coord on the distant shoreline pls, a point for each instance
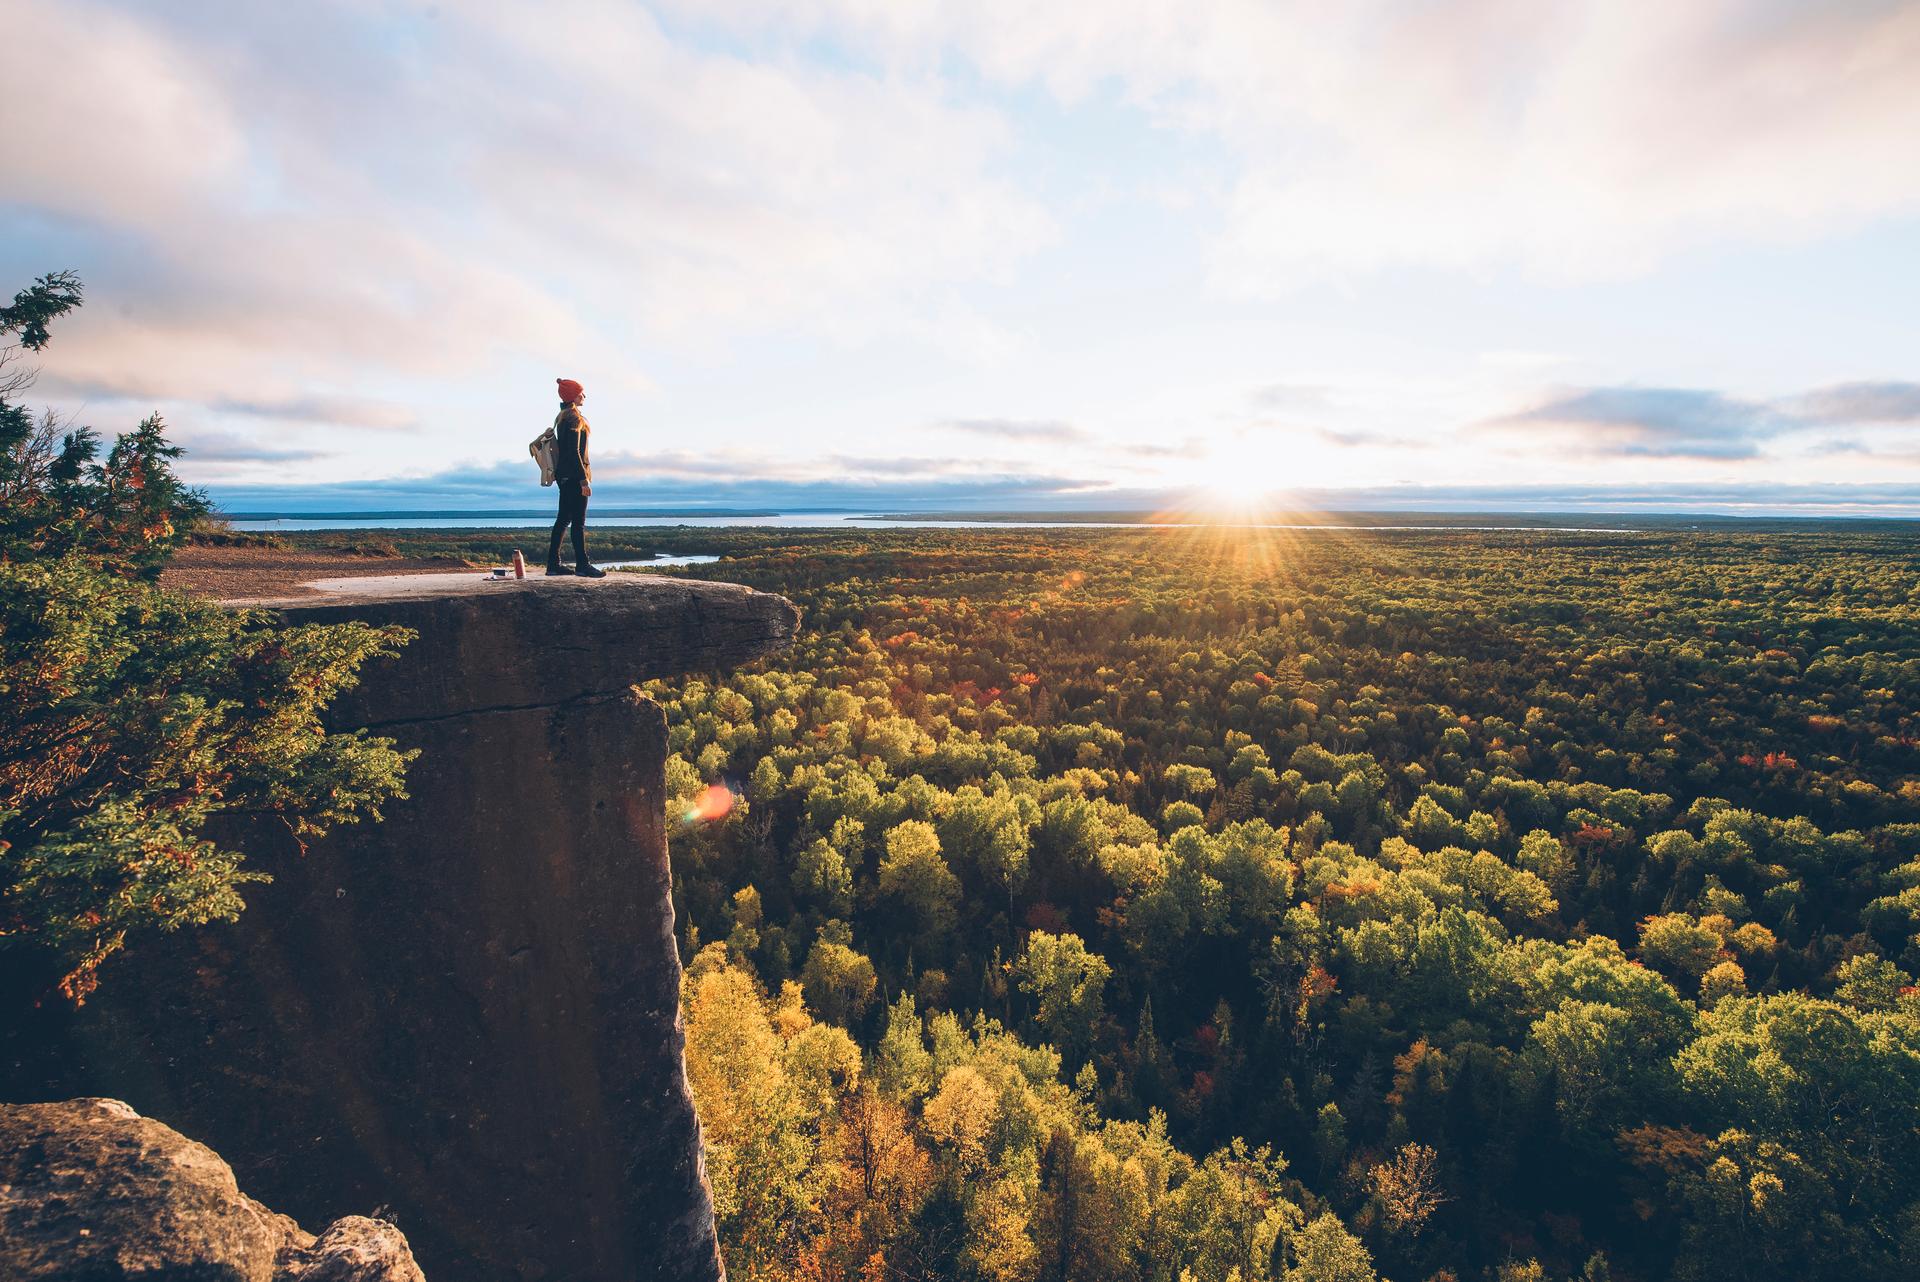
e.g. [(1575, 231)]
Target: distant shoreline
[(508, 513), (1354, 519), (1359, 519), (1302, 523)]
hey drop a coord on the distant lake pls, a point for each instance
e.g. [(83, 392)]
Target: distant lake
[(694, 559)]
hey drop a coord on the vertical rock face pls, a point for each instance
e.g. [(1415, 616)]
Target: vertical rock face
[(468, 1014)]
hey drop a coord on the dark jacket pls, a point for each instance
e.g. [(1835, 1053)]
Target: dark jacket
[(570, 450)]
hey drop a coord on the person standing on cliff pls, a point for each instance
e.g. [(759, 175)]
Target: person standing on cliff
[(573, 476)]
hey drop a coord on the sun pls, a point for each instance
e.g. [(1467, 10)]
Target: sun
[(1256, 478), (1237, 488), (1239, 491)]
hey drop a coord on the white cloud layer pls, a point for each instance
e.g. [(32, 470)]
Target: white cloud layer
[(1077, 239), (1584, 139), (299, 195)]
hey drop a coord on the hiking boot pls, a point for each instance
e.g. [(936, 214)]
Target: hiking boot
[(591, 572), (554, 567)]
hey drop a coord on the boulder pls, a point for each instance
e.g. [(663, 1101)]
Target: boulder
[(356, 1249), (91, 1189)]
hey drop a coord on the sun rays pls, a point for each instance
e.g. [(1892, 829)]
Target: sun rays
[(1251, 539)]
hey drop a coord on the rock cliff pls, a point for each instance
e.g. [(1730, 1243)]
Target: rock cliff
[(468, 1013)]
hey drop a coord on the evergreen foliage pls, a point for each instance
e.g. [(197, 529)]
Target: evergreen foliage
[(137, 725)]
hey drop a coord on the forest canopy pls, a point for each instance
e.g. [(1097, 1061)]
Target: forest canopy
[(1181, 903)]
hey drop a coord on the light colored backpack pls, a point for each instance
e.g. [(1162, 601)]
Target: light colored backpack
[(542, 448)]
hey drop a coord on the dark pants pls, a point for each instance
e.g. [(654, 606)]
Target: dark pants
[(573, 512)]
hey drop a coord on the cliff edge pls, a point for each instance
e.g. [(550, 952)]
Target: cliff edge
[(468, 1014)]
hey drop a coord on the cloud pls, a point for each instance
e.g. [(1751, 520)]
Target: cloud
[(1078, 443), (1372, 440), (307, 408), (283, 196), (1650, 422), (1014, 429), (743, 466), (338, 411), (1581, 140), (739, 218), (1861, 403), (1185, 448), (1284, 398), (484, 490), (1891, 500), (722, 471), (1905, 451), (225, 447), (1695, 423)]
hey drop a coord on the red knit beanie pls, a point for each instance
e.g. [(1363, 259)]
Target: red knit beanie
[(570, 391)]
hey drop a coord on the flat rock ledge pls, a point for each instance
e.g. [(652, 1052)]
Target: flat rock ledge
[(488, 645), (91, 1189)]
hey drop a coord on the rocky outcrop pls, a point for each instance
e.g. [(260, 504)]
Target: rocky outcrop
[(470, 1012), (91, 1189)]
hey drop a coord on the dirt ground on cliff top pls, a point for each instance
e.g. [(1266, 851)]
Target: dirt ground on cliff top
[(254, 573)]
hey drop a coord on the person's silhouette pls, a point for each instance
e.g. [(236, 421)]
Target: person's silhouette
[(573, 476)]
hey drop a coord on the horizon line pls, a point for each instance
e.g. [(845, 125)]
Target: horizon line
[(1065, 515)]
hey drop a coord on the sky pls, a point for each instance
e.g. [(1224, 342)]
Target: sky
[(1621, 255)]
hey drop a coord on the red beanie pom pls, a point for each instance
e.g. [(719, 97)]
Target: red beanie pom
[(570, 391)]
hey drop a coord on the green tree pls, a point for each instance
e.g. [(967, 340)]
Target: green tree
[(1592, 1053), (838, 982), (913, 873), (988, 834), (1324, 1251), (1093, 1214), (905, 1067), (133, 719), (1226, 1219), (1679, 944), (1190, 781), (28, 449), (1067, 984), (821, 879), (124, 513), (757, 1122)]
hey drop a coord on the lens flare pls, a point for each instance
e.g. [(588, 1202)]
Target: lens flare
[(712, 805)]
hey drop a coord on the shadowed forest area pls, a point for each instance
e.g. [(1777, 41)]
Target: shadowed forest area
[(1216, 903)]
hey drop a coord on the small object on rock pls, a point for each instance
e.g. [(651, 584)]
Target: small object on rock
[(519, 565), (93, 1189)]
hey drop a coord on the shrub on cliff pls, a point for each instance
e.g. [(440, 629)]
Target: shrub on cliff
[(134, 719), (124, 512)]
